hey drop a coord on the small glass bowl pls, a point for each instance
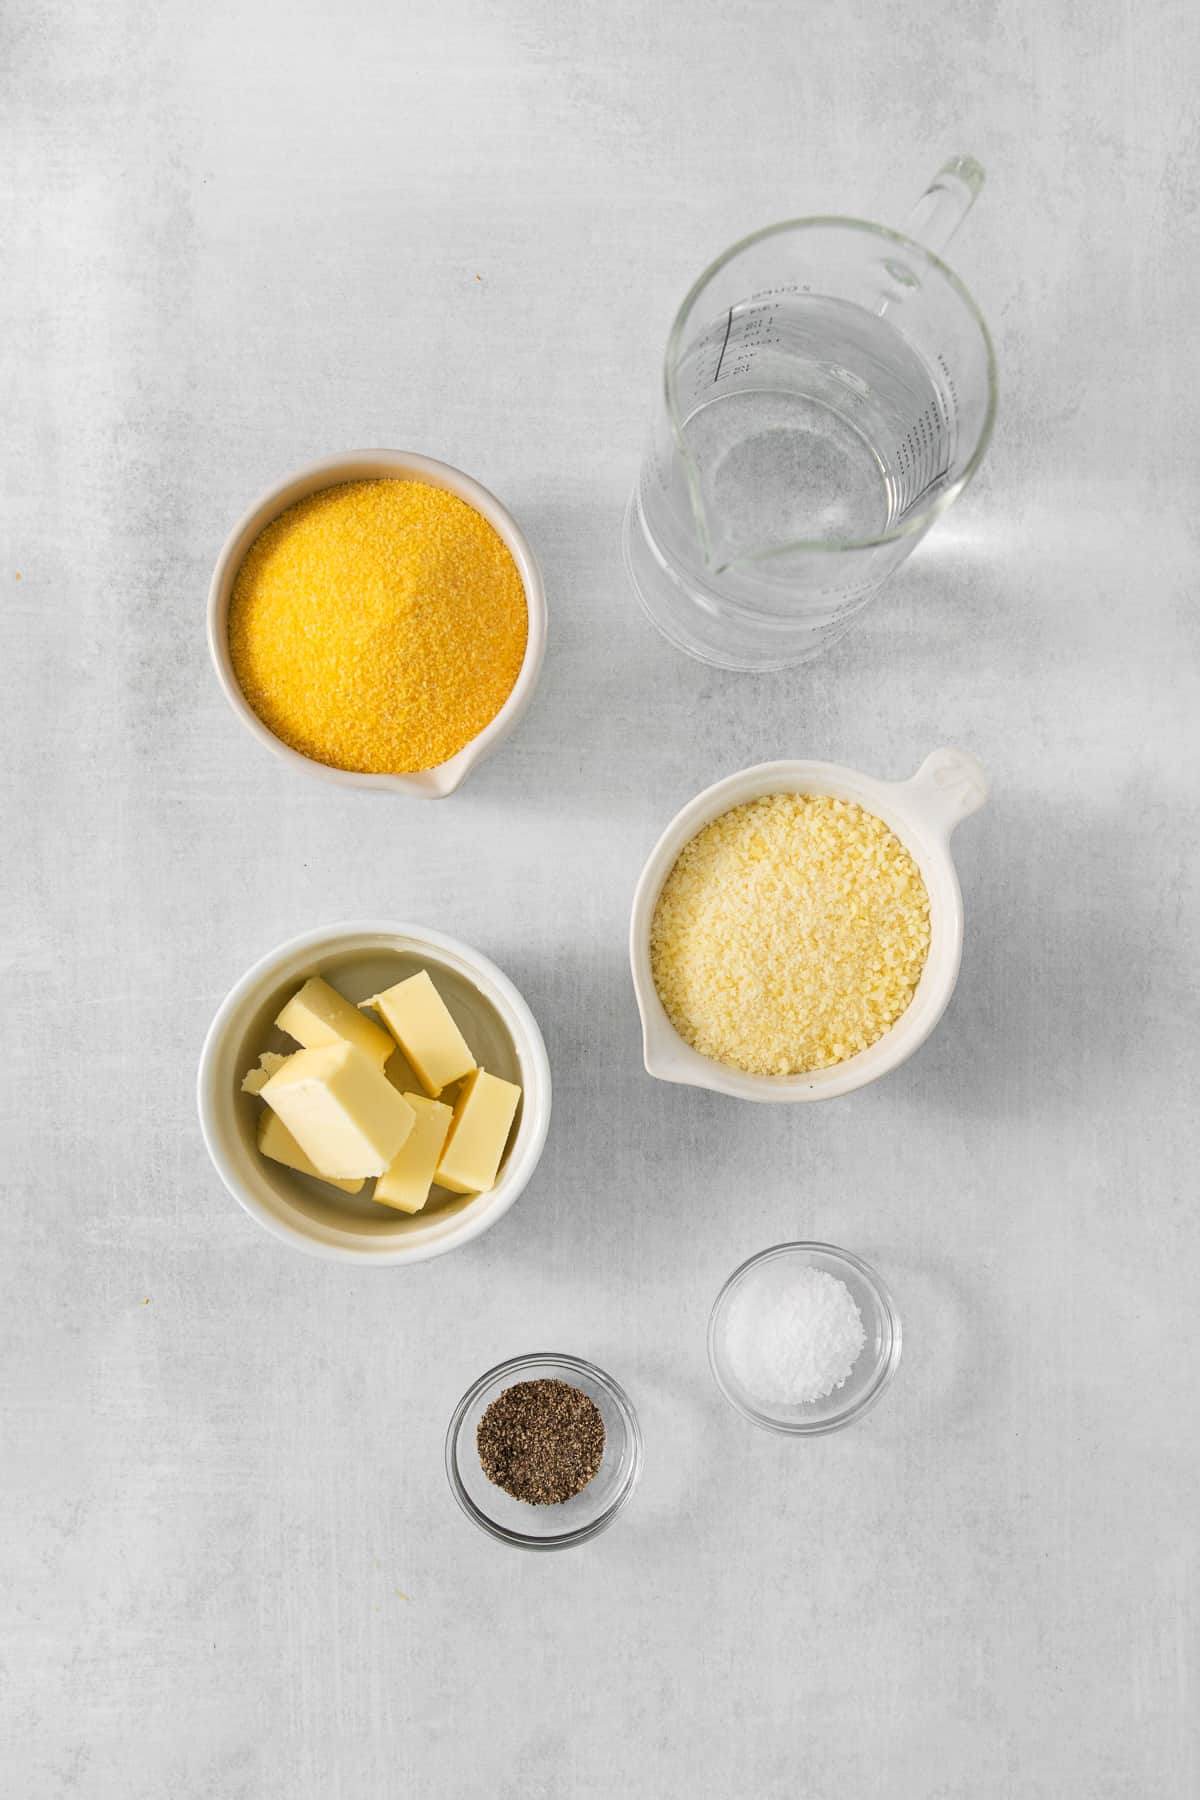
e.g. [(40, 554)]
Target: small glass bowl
[(545, 1527), (877, 1361)]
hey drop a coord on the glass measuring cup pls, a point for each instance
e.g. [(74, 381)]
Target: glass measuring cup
[(829, 389)]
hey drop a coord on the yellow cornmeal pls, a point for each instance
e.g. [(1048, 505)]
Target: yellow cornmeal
[(378, 626), (790, 934)]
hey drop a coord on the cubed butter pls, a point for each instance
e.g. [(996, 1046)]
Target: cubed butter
[(319, 1015), (341, 1108), (256, 1079), (416, 1015), (277, 1142), (405, 1184), (483, 1116)]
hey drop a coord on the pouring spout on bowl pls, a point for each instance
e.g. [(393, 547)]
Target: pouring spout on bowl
[(437, 783), (664, 1053)]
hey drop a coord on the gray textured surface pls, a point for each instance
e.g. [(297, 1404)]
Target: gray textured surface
[(242, 236)]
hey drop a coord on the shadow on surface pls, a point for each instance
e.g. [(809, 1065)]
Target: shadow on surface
[(1060, 979)]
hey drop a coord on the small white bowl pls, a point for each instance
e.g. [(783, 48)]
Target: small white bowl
[(922, 812), (369, 465), (360, 959)]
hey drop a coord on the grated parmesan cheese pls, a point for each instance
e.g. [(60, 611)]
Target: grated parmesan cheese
[(790, 934)]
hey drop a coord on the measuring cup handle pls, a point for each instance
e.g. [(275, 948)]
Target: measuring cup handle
[(945, 203), (947, 788)]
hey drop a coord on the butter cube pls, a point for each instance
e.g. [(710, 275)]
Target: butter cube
[(407, 1181), (415, 1014), (277, 1142), (483, 1115), (319, 1015), (341, 1108), (255, 1080)]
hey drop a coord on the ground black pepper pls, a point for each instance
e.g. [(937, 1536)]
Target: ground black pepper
[(541, 1441)]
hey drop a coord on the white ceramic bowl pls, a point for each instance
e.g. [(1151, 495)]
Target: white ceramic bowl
[(360, 959), (367, 465), (922, 812)]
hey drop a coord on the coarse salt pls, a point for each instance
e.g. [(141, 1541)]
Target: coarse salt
[(793, 1333)]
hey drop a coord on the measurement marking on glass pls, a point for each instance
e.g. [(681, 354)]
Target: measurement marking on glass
[(724, 342)]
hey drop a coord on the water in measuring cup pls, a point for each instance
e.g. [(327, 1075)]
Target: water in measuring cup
[(809, 419)]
